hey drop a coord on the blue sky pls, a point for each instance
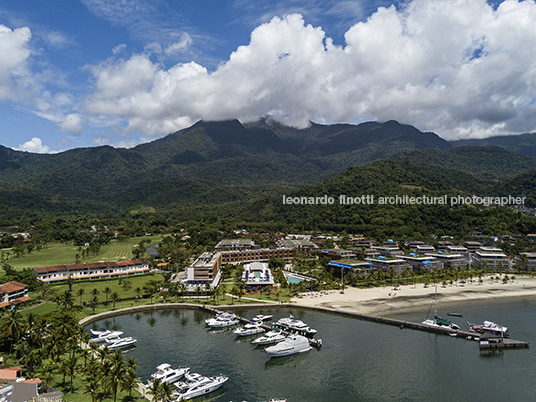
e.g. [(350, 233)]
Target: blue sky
[(122, 72)]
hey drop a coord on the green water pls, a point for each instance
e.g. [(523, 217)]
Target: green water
[(359, 360)]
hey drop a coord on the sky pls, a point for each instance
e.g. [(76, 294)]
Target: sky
[(82, 73)]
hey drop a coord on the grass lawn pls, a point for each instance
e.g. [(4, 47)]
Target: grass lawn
[(57, 254), (116, 285)]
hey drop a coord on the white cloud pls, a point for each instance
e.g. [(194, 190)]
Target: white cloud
[(14, 48), (35, 145), (456, 67), (72, 124)]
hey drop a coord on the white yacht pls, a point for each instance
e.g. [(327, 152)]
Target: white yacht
[(120, 343), (223, 320), (191, 379), (202, 386), (292, 345), (273, 336), (166, 374), (293, 324), (253, 328), (489, 326), (103, 334)]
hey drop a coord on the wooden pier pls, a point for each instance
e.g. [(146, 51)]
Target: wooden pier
[(489, 341)]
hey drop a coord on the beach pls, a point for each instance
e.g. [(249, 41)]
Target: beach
[(385, 300)]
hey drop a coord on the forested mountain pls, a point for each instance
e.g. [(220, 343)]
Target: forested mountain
[(524, 144), (488, 162), (390, 178), (208, 163), (222, 166)]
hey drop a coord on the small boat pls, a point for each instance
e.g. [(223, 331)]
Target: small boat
[(273, 336), (202, 386), (264, 317), (455, 314), (103, 334), (489, 326), (120, 343), (250, 329), (292, 345), (166, 374)]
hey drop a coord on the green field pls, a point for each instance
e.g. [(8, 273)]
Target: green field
[(57, 254)]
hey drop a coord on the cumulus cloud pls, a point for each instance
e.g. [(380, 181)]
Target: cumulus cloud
[(35, 145), (460, 68), (456, 67), (14, 48)]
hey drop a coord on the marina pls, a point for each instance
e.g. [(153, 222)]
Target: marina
[(359, 360)]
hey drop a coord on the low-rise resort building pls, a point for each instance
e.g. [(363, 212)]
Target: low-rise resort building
[(13, 293), (92, 270)]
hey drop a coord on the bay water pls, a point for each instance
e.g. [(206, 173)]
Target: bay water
[(359, 360)]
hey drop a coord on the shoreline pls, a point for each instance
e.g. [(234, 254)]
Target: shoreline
[(384, 301)]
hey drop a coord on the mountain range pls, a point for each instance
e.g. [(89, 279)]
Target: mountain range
[(230, 163)]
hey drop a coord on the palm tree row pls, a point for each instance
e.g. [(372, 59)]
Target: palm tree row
[(50, 345)]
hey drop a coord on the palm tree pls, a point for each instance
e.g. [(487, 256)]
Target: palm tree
[(155, 389), (13, 327), (81, 293), (107, 291), (93, 303), (48, 369), (116, 375), (138, 292), (66, 300), (71, 364), (131, 377), (114, 298), (92, 387)]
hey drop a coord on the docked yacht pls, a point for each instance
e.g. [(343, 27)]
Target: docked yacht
[(253, 328), (120, 343), (292, 345), (223, 320), (439, 322), (103, 334), (273, 336), (293, 324), (200, 386), (166, 374), (489, 326)]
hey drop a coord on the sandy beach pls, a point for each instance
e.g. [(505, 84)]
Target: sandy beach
[(384, 300)]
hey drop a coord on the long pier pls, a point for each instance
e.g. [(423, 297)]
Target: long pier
[(372, 318)]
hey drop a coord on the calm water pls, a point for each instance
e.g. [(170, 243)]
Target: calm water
[(359, 361)]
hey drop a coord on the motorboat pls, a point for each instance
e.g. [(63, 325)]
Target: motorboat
[(223, 320), (252, 328), (489, 326), (263, 317), (439, 322), (293, 324), (202, 386), (273, 336), (103, 334), (291, 345), (191, 379), (120, 343), (165, 373)]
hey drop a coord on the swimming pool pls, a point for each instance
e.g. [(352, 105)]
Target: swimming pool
[(291, 279)]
